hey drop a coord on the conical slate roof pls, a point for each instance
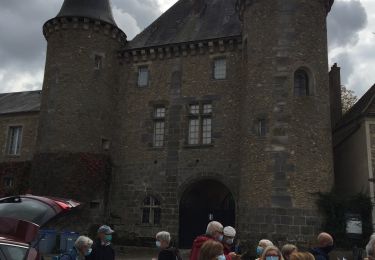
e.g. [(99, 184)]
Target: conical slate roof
[(95, 9), (192, 20)]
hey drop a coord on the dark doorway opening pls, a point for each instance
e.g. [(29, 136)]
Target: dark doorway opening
[(201, 203)]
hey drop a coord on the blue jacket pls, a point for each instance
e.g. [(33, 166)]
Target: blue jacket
[(72, 255), (319, 254)]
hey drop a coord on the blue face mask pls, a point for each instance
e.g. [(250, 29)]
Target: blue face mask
[(88, 252), (272, 258), (229, 241), (108, 238), (259, 250), (220, 238), (221, 257), (158, 244)]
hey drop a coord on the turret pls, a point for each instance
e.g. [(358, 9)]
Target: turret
[(288, 156), (77, 112)]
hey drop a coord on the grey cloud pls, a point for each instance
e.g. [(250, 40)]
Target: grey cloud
[(346, 20)]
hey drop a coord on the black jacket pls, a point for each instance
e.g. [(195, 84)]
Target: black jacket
[(170, 253), (319, 254), (102, 252)]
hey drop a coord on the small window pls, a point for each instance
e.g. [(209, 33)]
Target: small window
[(151, 211), (200, 124), (8, 182), (159, 126), (98, 62), (262, 131), (14, 140), (143, 76), (301, 83), (220, 68)]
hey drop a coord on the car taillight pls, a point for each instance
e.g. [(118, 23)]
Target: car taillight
[(64, 206)]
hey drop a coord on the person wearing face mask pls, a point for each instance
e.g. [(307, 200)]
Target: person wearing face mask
[(212, 250), (263, 244), (228, 239), (102, 248), (214, 231), (167, 252), (81, 250), (325, 246), (271, 253)]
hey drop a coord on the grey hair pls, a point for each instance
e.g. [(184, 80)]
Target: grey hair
[(370, 246), (163, 236), (265, 242), (83, 241), (213, 227), (288, 249)]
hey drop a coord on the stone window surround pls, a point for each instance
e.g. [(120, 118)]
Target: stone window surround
[(8, 182), (143, 83), (7, 146), (159, 118), (155, 204), (215, 60), (311, 80), (98, 58)]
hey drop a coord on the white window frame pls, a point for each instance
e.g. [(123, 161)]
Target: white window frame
[(159, 126), (200, 124), (220, 68), (14, 142), (143, 76)]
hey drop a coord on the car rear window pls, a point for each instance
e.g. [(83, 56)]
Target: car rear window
[(27, 209), (13, 252)]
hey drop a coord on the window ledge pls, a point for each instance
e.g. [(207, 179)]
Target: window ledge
[(198, 146)]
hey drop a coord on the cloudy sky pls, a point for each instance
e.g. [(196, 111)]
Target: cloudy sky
[(351, 27)]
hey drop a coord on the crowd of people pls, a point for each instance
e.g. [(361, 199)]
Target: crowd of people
[(218, 243)]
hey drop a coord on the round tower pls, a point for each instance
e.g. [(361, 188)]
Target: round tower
[(286, 151), (79, 90)]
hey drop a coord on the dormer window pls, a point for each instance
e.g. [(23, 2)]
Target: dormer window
[(301, 83)]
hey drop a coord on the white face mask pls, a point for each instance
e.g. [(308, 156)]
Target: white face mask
[(221, 257), (229, 241), (158, 244)]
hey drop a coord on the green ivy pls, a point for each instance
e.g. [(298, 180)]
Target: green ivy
[(335, 205)]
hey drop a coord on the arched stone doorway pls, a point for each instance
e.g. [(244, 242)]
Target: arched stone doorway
[(200, 203)]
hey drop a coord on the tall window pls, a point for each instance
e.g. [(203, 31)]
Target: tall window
[(159, 127), (14, 140), (200, 124), (143, 76), (220, 68), (98, 62), (301, 83), (151, 211), (8, 182), (261, 127)]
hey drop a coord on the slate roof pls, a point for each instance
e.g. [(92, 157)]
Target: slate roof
[(20, 102), (95, 9), (189, 21)]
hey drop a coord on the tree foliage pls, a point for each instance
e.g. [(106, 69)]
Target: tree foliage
[(348, 99)]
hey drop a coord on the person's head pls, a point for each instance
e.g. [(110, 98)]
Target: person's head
[(287, 250), (215, 230), (325, 242), (263, 244), (370, 247), (105, 233), (229, 234), (83, 245), (211, 250), (301, 256), (163, 239), (271, 253)]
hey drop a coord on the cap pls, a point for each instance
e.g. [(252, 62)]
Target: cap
[(105, 229), (229, 231)]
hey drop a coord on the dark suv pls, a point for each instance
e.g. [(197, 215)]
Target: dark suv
[(20, 220)]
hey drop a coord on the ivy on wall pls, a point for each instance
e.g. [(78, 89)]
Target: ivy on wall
[(335, 206)]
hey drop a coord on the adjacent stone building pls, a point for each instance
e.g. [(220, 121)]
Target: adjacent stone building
[(220, 109)]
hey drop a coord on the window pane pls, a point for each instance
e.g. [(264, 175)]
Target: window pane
[(157, 216), (143, 76), (207, 130), (146, 215), (220, 69), (98, 62), (261, 127), (194, 131), (14, 140), (147, 201), (155, 202), (8, 182), (159, 130), (301, 83), (194, 109), (160, 112), (207, 109)]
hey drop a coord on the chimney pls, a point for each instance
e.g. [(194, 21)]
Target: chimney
[(335, 95)]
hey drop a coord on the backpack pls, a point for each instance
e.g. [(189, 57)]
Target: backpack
[(175, 252)]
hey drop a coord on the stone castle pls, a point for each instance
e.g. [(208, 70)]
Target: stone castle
[(219, 110)]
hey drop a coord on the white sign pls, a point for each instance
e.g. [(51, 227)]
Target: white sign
[(354, 226)]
